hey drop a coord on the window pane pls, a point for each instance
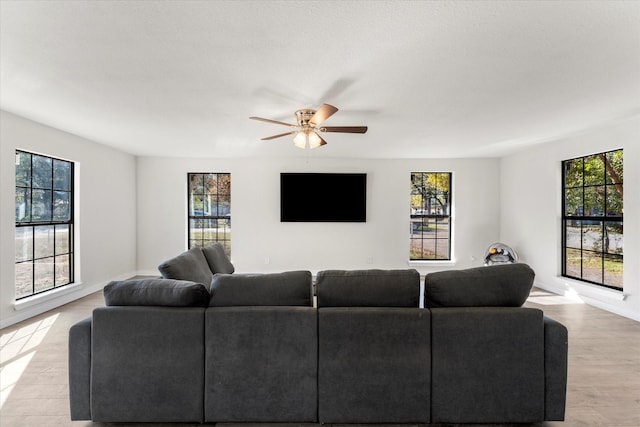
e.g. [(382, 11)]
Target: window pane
[(442, 249), (43, 278), (224, 204), (613, 238), (573, 173), (61, 206), (593, 170), (62, 239), (41, 205), (573, 202), (61, 175), (592, 235), (42, 172), (615, 171), (573, 234), (24, 244), (594, 201), (592, 266), (24, 279), (614, 200), (613, 271), (23, 204), (210, 182), (62, 270), (44, 241), (224, 183), (573, 266), (23, 169), (195, 184)]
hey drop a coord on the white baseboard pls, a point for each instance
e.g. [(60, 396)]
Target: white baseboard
[(602, 298)]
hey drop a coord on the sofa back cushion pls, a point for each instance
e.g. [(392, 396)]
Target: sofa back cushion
[(190, 265), (156, 292), (505, 285), (290, 288), (368, 288), (217, 259)]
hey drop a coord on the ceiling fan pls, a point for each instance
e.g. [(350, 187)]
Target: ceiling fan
[(308, 126)]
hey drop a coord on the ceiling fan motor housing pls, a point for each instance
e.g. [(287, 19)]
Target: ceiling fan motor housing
[(304, 116)]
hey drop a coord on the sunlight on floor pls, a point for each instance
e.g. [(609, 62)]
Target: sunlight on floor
[(548, 298), (17, 348)]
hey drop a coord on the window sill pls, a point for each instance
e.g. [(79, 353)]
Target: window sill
[(434, 263), (589, 290), (45, 296)]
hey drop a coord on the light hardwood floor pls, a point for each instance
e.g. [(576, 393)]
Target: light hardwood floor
[(603, 388)]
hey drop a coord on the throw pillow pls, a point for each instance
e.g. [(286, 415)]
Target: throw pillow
[(217, 259), (190, 265)]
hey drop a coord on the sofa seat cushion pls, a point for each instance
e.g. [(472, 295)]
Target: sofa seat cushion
[(156, 292), (217, 259), (368, 288), (290, 288), (506, 285)]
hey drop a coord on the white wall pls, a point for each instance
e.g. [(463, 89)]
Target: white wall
[(105, 213), (531, 201), (257, 233)]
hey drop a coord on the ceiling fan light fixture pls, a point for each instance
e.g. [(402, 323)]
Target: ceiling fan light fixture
[(307, 138), (314, 140), (300, 140)]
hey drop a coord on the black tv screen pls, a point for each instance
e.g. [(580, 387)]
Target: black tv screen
[(323, 197)]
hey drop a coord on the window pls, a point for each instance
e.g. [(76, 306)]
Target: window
[(430, 216), (592, 219), (44, 223), (209, 210)]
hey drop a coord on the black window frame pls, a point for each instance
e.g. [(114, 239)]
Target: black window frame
[(591, 218), (220, 212), (35, 224), (426, 216)]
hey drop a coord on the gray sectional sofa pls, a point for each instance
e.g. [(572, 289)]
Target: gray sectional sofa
[(254, 348)]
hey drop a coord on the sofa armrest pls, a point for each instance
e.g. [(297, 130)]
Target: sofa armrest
[(555, 369), (80, 370)]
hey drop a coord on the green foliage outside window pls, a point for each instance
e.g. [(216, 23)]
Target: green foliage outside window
[(43, 223), (430, 211), (593, 195)]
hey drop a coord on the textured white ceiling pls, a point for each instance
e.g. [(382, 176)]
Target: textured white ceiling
[(429, 78)]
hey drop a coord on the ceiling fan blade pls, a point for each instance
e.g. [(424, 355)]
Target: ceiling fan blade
[(271, 121), (344, 129), (319, 143), (322, 114), (278, 136)]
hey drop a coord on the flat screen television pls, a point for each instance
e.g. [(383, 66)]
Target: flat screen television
[(323, 197)]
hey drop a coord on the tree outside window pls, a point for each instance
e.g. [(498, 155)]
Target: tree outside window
[(430, 216), (209, 210), (592, 223), (43, 223)]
